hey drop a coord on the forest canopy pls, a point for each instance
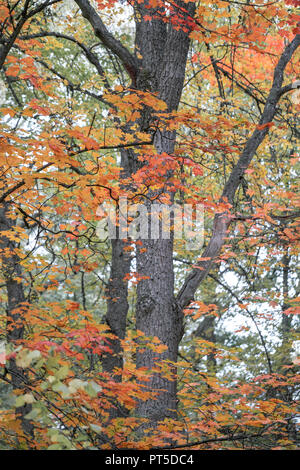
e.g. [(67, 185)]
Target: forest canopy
[(149, 224)]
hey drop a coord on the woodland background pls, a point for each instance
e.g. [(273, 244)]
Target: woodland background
[(142, 344)]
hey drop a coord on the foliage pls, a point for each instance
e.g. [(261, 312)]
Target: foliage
[(70, 106)]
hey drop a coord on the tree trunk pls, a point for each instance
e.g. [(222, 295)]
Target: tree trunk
[(15, 302)]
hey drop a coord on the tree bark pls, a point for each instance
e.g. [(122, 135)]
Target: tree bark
[(117, 304), (164, 53), (11, 269)]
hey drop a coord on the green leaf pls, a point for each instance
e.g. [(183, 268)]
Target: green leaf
[(33, 414), (95, 427), (62, 373), (60, 387), (26, 357), (54, 447), (22, 399)]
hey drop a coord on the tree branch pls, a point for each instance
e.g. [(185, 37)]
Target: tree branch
[(24, 16), (92, 58), (107, 39), (238, 437), (222, 220)]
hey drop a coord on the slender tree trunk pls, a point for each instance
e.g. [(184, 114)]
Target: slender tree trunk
[(117, 305), (206, 331), (117, 293), (11, 270), (286, 321), (284, 352)]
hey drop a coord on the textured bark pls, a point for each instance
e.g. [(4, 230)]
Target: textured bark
[(117, 290), (164, 53), (15, 298), (206, 331), (284, 350), (117, 305)]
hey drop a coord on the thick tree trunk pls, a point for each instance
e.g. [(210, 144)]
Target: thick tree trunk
[(164, 53)]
